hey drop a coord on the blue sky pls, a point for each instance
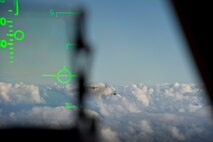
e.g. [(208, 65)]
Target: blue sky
[(134, 41), (138, 41)]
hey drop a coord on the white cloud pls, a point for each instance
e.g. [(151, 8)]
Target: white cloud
[(179, 96), (130, 106), (12, 115), (92, 113), (172, 118), (52, 117), (194, 130), (186, 88), (169, 93), (4, 90), (105, 109), (181, 110), (20, 93), (142, 111), (145, 126), (141, 94), (56, 114), (109, 135), (177, 134)]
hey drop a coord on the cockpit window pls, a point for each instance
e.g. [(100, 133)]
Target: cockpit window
[(143, 85)]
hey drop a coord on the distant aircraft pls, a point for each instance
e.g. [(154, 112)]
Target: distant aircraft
[(102, 90), (115, 93)]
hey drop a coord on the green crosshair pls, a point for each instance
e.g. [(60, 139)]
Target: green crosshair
[(64, 76)]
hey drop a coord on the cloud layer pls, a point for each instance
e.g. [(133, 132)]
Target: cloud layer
[(139, 112)]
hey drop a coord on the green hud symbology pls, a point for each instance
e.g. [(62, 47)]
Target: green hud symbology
[(70, 45), (56, 14), (64, 76), (64, 72), (19, 29), (11, 35), (69, 107)]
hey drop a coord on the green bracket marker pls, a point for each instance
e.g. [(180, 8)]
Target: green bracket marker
[(70, 44), (53, 13), (16, 5), (70, 107), (64, 72)]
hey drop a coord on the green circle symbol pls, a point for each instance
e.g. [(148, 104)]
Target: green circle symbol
[(64, 72), (22, 35)]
